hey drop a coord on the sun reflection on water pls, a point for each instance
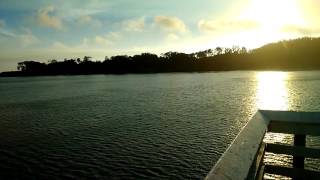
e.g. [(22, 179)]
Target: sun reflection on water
[(272, 92)]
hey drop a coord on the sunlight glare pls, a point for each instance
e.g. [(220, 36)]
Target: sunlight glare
[(274, 14), (273, 18), (272, 92)]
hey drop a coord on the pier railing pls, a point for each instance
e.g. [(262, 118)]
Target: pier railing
[(244, 157)]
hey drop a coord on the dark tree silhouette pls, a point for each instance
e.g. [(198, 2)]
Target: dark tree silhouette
[(295, 54)]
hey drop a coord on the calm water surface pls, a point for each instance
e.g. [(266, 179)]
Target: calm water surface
[(157, 126)]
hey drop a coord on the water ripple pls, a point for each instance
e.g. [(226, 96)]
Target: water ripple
[(161, 126)]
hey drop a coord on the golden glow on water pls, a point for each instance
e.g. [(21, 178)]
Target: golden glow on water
[(272, 92)]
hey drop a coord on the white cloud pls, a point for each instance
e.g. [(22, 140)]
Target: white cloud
[(89, 20), (27, 38), (226, 25), (172, 37), (59, 45), (45, 18), (113, 36), (207, 26), (6, 33), (171, 24), (94, 42), (3, 31), (85, 19), (103, 41), (301, 30), (84, 43), (134, 25), (22, 39), (2, 23)]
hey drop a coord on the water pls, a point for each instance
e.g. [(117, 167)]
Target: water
[(155, 126)]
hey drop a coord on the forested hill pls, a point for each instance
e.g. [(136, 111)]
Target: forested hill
[(303, 53), (297, 54)]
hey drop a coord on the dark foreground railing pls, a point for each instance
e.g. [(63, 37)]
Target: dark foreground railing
[(244, 157)]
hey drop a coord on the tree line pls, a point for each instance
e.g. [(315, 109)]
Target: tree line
[(297, 54)]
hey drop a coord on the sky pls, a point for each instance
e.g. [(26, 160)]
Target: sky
[(43, 30)]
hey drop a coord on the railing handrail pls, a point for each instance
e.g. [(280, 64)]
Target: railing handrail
[(232, 165), (237, 161)]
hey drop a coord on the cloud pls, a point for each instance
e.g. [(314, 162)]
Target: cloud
[(6, 33), (171, 24), (27, 38), (18, 39), (3, 31), (99, 40), (113, 36), (212, 26), (59, 45), (46, 19), (89, 20), (172, 37), (23, 38), (207, 26), (301, 30), (134, 25), (105, 40), (2, 23)]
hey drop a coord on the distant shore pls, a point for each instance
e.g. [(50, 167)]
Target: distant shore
[(290, 55), (22, 74)]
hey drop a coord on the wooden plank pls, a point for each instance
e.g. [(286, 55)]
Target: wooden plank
[(236, 162), (293, 150), (299, 141), (294, 128), (296, 173)]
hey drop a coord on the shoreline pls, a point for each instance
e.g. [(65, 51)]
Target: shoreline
[(24, 74)]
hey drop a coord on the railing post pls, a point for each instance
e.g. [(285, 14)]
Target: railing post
[(299, 140)]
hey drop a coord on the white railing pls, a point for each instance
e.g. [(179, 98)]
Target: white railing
[(244, 157)]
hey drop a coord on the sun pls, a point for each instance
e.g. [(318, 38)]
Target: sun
[(273, 15), (273, 19)]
